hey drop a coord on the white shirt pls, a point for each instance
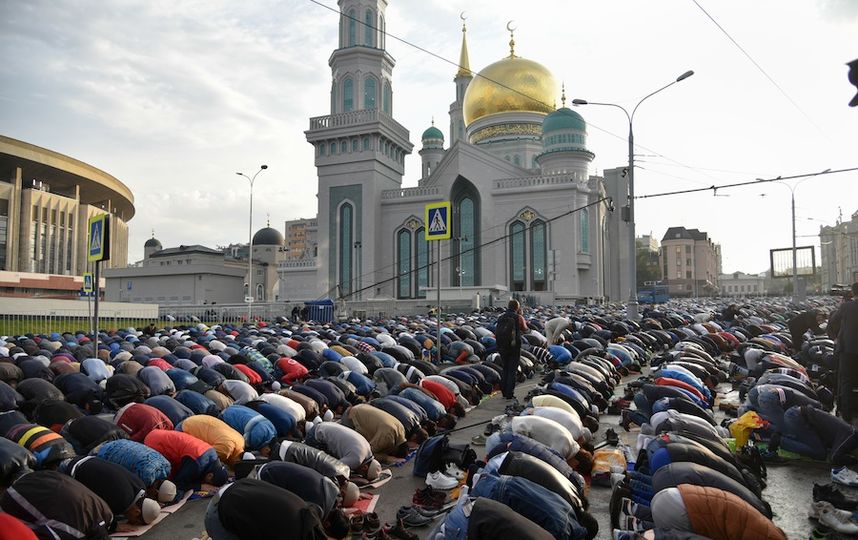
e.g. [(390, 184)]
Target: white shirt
[(282, 402), (568, 420), (548, 432)]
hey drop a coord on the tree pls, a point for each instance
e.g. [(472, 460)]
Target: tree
[(647, 267)]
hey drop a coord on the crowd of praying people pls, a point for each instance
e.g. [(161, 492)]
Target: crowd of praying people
[(282, 424)]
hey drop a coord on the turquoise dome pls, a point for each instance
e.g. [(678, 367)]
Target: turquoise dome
[(433, 133), (563, 118)]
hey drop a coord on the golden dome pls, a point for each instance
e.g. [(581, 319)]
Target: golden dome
[(510, 85)]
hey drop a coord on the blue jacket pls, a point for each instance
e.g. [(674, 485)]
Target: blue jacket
[(257, 430)]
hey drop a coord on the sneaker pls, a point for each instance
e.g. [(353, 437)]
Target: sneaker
[(628, 506), (838, 520), (611, 437), (410, 517), (834, 495), (620, 534), (819, 534), (632, 523), (454, 472), (845, 476), (439, 480)]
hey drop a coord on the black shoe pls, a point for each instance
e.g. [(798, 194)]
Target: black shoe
[(611, 437), (615, 504), (833, 494)]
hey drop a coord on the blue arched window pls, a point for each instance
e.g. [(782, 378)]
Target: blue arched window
[(538, 255), (466, 234), (584, 226), (344, 248), (516, 256), (421, 262), (382, 27), (369, 93), (516, 159), (333, 148), (387, 98), (369, 29), (344, 147), (348, 95), (403, 248), (352, 28)]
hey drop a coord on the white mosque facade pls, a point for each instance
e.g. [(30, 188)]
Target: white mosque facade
[(527, 216)]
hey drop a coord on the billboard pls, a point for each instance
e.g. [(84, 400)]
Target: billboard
[(781, 261)]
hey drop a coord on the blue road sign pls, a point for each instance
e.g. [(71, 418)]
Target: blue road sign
[(437, 221), (87, 282), (98, 248)]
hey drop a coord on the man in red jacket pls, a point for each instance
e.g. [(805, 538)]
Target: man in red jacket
[(192, 461)]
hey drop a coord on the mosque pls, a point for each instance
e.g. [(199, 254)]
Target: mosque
[(527, 216)]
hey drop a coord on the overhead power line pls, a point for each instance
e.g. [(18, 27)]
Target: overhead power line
[(758, 181), (760, 68)]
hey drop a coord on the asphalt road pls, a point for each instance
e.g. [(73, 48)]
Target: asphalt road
[(789, 490)]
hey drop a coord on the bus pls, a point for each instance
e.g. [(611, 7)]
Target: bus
[(653, 293)]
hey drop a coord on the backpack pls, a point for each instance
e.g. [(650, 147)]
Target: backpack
[(436, 452), (506, 332)]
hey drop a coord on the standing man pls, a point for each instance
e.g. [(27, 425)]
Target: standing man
[(508, 335), (845, 320)]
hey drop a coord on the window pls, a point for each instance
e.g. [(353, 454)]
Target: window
[(387, 98), (403, 243), (584, 229), (260, 293), (344, 147), (321, 149), (687, 249), (352, 28), (369, 29), (517, 254), (467, 227), (369, 93), (382, 30), (688, 274), (538, 255), (348, 95), (516, 159), (333, 148), (679, 274), (688, 262), (346, 235), (354, 145), (421, 262), (366, 143)]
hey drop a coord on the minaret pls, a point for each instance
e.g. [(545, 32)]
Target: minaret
[(359, 151), (463, 79), (432, 152)]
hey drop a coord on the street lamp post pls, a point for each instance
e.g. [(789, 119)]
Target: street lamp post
[(250, 244), (796, 298), (632, 310)]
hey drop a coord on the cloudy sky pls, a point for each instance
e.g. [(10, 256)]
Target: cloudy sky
[(174, 96)]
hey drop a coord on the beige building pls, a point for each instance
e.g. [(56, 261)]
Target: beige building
[(199, 275), (690, 262), (741, 284), (46, 200), (839, 246), (301, 238)]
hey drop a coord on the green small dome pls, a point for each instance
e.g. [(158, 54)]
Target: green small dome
[(564, 118), (433, 133)]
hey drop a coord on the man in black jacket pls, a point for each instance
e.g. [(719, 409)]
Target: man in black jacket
[(508, 337), (845, 320), (801, 323)]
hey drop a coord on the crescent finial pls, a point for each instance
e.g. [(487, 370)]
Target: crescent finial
[(509, 26)]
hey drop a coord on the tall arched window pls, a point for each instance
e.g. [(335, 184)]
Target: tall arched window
[(466, 219), (421, 262), (369, 29), (352, 28), (387, 98), (516, 256), (584, 226), (538, 255), (382, 38), (260, 293), (348, 95), (344, 248), (403, 243), (369, 93)]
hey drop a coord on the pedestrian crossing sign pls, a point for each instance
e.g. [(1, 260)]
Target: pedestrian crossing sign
[(98, 247), (87, 282), (437, 221)]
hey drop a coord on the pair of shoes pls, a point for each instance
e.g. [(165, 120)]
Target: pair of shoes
[(429, 498), (611, 437), (439, 480), (834, 495), (845, 476), (367, 523), (838, 520), (410, 517)]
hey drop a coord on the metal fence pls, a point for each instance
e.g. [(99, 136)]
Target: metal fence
[(71, 321)]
